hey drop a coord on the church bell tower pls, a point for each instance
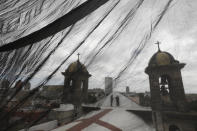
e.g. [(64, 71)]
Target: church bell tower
[(166, 87), (75, 84)]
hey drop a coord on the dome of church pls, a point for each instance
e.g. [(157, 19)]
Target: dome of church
[(162, 58), (76, 66)]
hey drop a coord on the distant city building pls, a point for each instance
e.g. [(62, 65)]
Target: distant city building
[(52, 92), (108, 85), (127, 89), (147, 93), (95, 94), (144, 99), (191, 97)]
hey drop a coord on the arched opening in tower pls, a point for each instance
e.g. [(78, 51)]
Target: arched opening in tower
[(166, 90)]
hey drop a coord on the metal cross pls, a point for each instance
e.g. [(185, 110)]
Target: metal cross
[(158, 43), (78, 55)]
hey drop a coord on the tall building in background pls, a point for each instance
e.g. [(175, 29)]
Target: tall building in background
[(108, 85), (127, 90)]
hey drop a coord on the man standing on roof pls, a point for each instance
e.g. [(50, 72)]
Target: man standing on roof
[(111, 100), (117, 101)]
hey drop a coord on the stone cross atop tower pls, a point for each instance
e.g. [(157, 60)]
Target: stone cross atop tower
[(78, 56), (158, 43)]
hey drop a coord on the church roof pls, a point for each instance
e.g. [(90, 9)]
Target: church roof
[(162, 58), (110, 118), (75, 67)]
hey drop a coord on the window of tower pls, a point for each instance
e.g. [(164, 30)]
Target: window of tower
[(71, 82), (81, 85), (164, 84)]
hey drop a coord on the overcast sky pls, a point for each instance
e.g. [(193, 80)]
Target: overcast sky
[(177, 33)]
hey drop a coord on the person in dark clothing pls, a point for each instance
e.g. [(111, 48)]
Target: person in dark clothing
[(112, 100), (117, 101)]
